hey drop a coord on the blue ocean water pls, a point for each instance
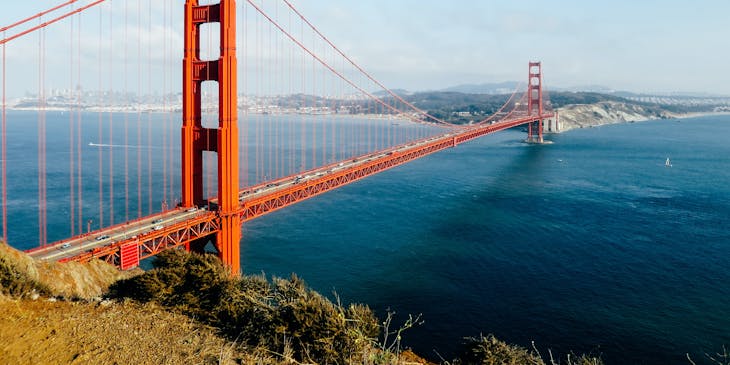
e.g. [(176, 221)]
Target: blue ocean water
[(590, 244), (131, 161)]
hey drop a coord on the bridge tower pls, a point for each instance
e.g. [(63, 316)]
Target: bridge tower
[(223, 140), (534, 102)]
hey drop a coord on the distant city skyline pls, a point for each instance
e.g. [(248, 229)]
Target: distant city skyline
[(643, 47)]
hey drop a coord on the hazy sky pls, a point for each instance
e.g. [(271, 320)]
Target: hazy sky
[(647, 45), (642, 46)]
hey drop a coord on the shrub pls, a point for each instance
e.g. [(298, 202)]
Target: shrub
[(16, 282), (491, 351), (283, 316)]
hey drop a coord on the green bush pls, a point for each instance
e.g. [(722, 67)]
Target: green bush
[(283, 316)]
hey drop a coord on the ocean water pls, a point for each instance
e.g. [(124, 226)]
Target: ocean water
[(131, 162), (589, 244)]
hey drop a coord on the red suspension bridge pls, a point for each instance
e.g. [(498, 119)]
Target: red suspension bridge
[(310, 124)]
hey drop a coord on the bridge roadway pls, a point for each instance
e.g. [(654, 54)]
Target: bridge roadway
[(152, 234)]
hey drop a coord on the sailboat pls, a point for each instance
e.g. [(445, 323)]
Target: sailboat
[(668, 163)]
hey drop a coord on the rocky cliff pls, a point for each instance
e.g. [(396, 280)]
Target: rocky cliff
[(607, 112)]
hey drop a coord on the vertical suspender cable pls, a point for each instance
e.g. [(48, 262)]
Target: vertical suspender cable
[(293, 167), (42, 233), (303, 71), (168, 117), (149, 115), (139, 109), (111, 119), (257, 143), (4, 157), (40, 138), (324, 116), (273, 132), (269, 119), (281, 146), (100, 129), (314, 105), (44, 146), (277, 120), (332, 96), (126, 113), (260, 152), (344, 121), (170, 126), (79, 182), (71, 144), (164, 110), (243, 147)]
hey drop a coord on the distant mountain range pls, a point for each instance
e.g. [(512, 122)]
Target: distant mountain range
[(508, 87)]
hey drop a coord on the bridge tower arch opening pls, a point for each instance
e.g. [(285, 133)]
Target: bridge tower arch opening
[(534, 103), (223, 140)]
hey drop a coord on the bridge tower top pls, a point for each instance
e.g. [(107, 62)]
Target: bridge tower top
[(534, 89)]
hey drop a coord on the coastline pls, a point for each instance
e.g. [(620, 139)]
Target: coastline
[(399, 117), (578, 116)]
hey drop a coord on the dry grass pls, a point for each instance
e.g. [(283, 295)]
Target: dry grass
[(488, 350), (43, 332), (21, 275)]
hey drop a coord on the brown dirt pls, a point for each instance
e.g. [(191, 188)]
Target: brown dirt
[(408, 357), (62, 332), (43, 332)]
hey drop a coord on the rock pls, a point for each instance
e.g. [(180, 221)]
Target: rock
[(606, 112)]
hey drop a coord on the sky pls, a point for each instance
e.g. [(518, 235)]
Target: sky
[(641, 46)]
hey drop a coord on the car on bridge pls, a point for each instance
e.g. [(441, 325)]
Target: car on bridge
[(102, 237)]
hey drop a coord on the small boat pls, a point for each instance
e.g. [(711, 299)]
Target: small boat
[(668, 163)]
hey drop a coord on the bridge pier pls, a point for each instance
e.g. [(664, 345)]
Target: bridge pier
[(535, 132)]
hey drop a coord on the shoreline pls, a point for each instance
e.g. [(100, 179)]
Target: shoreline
[(178, 111), (578, 116)]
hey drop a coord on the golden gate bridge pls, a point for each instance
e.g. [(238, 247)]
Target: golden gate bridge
[(292, 76)]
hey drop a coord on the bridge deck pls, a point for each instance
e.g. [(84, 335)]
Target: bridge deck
[(155, 233)]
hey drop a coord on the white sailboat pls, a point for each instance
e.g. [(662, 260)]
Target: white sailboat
[(668, 163)]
